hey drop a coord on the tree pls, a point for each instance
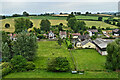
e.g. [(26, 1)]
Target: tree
[(118, 24), (25, 45), (19, 63), (58, 64), (113, 57), (45, 25), (25, 13), (99, 18), (60, 41), (5, 37), (7, 25), (93, 27), (22, 24), (70, 16), (6, 55), (72, 22), (60, 27)]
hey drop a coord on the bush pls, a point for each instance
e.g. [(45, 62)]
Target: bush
[(19, 63), (59, 64), (6, 68), (41, 36), (6, 65), (30, 66), (6, 71)]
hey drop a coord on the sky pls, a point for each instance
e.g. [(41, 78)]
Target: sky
[(9, 7)]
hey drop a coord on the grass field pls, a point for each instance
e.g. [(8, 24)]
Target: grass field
[(49, 49), (99, 24), (90, 17), (45, 74), (89, 59), (86, 59)]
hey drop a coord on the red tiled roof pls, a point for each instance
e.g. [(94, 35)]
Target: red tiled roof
[(62, 32), (76, 34)]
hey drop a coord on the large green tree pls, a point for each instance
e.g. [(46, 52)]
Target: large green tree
[(58, 64), (70, 16), (45, 25), (22, 24), (25, 45), (113, 57)]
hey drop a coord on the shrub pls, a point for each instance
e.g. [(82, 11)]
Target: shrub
[(19, 63), (6, 71), (30, 66), (6, 68), (6, 65), (41, 36), (59, 64)]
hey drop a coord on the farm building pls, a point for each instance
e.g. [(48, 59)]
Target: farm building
[(85, 44), (116, 32), (101, 45), (92, 32)]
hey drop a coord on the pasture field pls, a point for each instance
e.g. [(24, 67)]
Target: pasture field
[(50, 49), (99, 24), (36, 23), (90, 17), (87, 59)]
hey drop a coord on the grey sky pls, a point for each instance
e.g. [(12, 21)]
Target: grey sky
[(10, 7)]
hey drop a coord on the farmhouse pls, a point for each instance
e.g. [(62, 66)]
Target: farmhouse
[(85, 44), (116, 32), (51, 35), (92, 32), (101, 45), (63, 34)]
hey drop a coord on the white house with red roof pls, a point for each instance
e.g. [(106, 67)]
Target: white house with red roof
[(63, 34)]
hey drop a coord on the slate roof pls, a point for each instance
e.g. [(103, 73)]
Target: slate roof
[(93, 30), (86, 41), (86, 36), (102, 43)]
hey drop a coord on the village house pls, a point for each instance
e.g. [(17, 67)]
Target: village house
[(101, 45), (63, 34), (85, 44), (92, 32), (51, 35), (116, 32), (75, 35)]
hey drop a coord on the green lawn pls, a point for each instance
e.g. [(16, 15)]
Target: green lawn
[(45, 74), (89, 59), (49, 49)]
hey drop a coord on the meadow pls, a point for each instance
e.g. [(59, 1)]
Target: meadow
[(88, 60)]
